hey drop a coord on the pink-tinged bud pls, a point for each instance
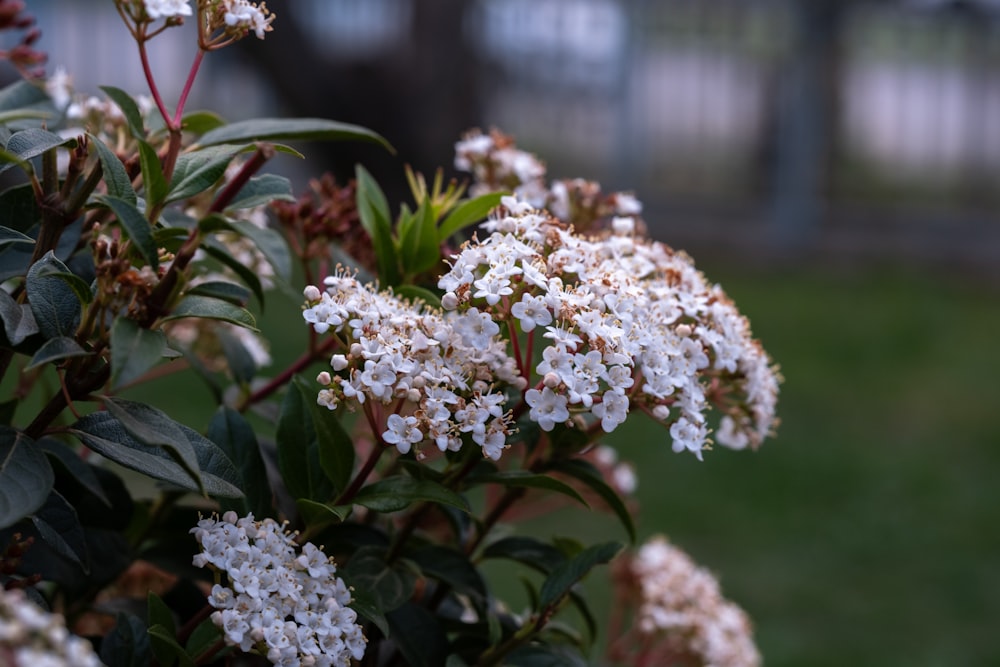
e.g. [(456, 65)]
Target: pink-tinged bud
[(449, 301), (413, 395), (683, 330), (661, 412), (311, 293), (338, 362), (324, 379), (357, 350), (551, 380)]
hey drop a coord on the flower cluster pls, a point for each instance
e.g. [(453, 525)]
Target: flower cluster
[(682, 616), (397, 352), (289, 605), (30, 635), (157, 9)]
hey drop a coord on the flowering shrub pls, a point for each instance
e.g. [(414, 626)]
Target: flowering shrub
[(338, 510)]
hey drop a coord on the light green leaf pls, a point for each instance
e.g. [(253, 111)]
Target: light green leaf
[(136, 227), (134, 351), (215, 309), (153, 179), (130, 109), (419, 248), (373, 210), (200, 122), (306, 129), (25, 477), (115, 177), (397, 493), (467, 213), (55, 349)]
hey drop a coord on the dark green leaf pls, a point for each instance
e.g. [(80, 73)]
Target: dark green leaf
[(451, 567), (115, 177), (397, 493), (134, 351), (298, 448), (591, 476), (336, 448), (527, 550), (566, 575), (306, 129), (133, 116), (203, 638), (418, 636), (54, 303), (127, 645), (105, 435), (546, 655), (236, 438), (262, 190), (363, 603), (244, 273), (468, 212), (271, 243), (20, 209), (8, 236), (386, 587), (197, 171), (153, 179), (318, 516), (164, 646), (26, 144), (373, 211), (57, 523), (81, 472), (221, 289), (25, 476), (239, 361), (18, 320), (136, 227), (525, 479), (215, 309), (20, 94), (154, 428), (55, 349)]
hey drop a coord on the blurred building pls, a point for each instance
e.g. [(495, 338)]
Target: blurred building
[(854, 126)]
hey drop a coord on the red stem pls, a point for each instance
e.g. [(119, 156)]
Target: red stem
[(176, 125)]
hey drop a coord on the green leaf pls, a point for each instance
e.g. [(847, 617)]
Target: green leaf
[(271, 243), (59, 526), (298, 448), (363, 603), (262, 190), (318, 516), (546, 655), (18, 320), (197, 171), (21, 94), (136, 227), (566, 575), (8, 236), (214, 309), (105, 435), (20, 209), (133, 116), (244, 273), (203, 638), (154, 428), (232, 433), (127, 645), (386, 587), (418, 635), (373, 211), (55, 349), (134, 351), (336, 448), (591, 476), (54, 303), (239, 361), (306, 129), (527, 550), (525, 479), (467, 213), (26, 144), (153, 179), (420, 249), (397, 493), (451, 567), (25, 477), (164, 646), (221, 289), (200, 122), (75, 467), (115, 177)]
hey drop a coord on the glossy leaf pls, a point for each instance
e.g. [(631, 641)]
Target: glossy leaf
[(373, 211), (25, 476), (127, 645), (335, 445), (130, 109), (318, 516), (215, 309), (113, 171), (528, 480), (18, 319), (565, 576), (298, 449), (418, 635), (136, 227), (232, 433), (134, 351), (386, 587), (591, 476), (397, 493), (55, 349), (58, 525), (306, 129), (467, 213), (54, 303), (8, 236), (527, 550), (197, 171), (154, 182), (262, 190)]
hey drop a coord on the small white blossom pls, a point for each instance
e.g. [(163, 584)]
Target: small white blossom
[(31, 636), (157, 9)]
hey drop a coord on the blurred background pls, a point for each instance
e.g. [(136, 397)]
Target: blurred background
[(833, 163)]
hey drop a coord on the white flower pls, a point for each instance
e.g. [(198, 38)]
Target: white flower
[(612, 410), (156, 9), (476, 328), (547, 408), (531, 311), (402, 432)]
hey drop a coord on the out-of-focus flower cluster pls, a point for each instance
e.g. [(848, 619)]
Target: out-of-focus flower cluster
[(681, 616), (33, 637), (23, 56), (286, 603), (628, 323)]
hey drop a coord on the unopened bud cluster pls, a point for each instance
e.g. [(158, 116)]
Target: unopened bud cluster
[(286, 603)]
